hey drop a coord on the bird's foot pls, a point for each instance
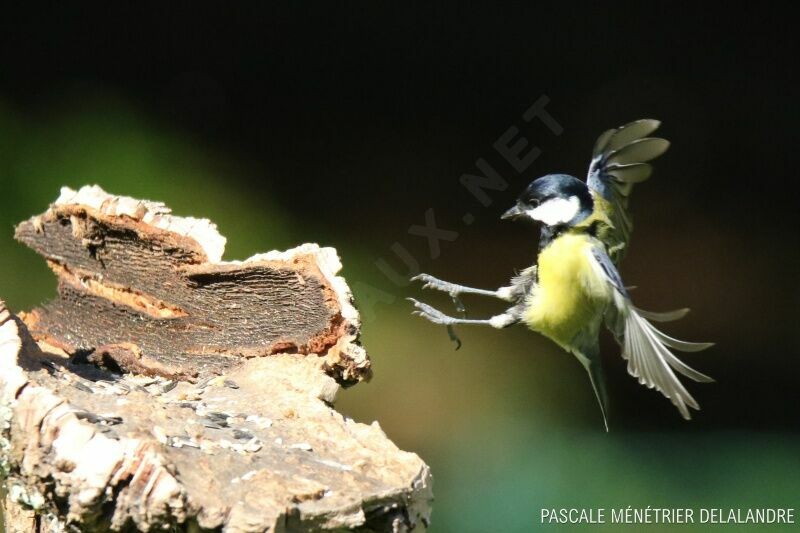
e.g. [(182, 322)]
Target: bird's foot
[(429, 282), (437, 317), (433, 315)]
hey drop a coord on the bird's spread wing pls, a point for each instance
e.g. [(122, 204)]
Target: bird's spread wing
[(648, 350), (619, 161)]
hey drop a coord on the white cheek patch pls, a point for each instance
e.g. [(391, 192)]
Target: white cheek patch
[(556, 211)]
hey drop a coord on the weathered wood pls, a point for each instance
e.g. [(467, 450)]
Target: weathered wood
[(149, 293), (113, 415)]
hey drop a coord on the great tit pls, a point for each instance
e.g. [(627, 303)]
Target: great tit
[(574, 287)]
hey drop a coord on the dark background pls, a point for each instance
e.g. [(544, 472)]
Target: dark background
[(343, 124)]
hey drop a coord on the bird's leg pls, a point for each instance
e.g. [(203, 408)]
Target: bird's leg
[(511, 316), (454, 290), (437, 317)]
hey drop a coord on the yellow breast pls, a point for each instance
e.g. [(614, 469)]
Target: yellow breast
[(570, 295)]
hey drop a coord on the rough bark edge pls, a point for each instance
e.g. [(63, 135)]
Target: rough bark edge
[(346, 358), (201, 230)]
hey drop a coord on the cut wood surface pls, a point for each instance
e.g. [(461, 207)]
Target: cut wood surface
[(167, 389)]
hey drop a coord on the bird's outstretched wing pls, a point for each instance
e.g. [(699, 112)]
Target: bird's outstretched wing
[(619, 161), (648, 350)]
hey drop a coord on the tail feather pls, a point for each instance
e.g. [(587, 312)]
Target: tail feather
[(595, 370)]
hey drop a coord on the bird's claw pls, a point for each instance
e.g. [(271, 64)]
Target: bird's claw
[(453, 337), (429, 313), (437, 317), (458, 303), (429, 282)]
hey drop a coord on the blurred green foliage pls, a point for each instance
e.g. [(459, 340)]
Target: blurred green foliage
[(508, 424)]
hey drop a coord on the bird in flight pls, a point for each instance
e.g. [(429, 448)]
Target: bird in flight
[(574, 287)]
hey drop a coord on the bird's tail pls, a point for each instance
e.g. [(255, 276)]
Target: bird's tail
[(591, 362)]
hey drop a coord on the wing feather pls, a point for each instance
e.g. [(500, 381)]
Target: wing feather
[(632, 173), (639, 151), (647, 349), (619, 160), (638, 129), (666, 316), (602, 142)]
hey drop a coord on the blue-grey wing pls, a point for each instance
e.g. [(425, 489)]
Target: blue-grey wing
[(648, 350), (610, 271), (619, 160)]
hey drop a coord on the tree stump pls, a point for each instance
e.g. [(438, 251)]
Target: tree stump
[(166, 389)]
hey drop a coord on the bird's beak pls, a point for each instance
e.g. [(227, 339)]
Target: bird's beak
[(514, 212)]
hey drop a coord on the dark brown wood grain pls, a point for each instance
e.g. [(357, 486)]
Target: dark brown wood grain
[(126, 283)]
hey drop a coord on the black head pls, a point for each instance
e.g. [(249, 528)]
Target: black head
[(554, 200)]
